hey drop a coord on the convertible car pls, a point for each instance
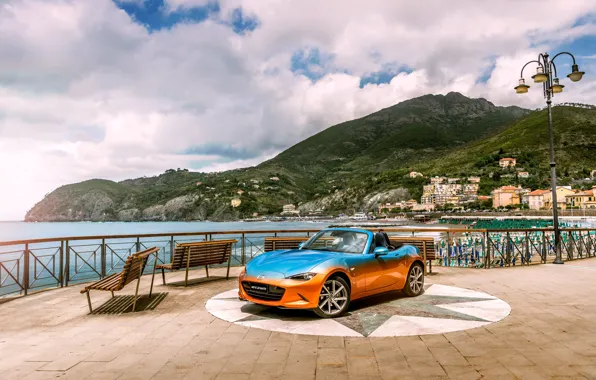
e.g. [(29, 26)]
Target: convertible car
[(332, 268)]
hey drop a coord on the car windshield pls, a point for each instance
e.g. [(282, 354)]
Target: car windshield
[(338, 241)]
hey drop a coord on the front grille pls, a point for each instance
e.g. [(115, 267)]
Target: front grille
[(263, 291)]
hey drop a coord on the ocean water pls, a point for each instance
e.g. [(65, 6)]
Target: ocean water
[(22, 230)]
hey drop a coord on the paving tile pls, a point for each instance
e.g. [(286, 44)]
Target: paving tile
[(331, 357), (462, 372), (301, 364), (549, 334), (331, 342), (448, 355), (332, 372), (363, 366), (359, 347)]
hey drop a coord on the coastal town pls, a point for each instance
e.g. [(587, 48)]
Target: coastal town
[(443, 193)]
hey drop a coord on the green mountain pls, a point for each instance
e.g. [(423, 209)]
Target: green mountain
[(353, 165)]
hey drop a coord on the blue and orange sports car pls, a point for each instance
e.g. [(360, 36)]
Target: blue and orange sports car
[(332, 268)]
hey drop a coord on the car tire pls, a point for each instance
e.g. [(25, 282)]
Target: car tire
[(415, 281), (334, 299)]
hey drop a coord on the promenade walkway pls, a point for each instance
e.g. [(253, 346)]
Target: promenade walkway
[(550, 333)]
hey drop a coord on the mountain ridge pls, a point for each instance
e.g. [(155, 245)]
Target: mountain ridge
[(354, 164)]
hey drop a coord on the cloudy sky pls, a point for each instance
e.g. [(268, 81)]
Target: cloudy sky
[(124, 88)]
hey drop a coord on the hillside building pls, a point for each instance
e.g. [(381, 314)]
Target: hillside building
[(536, 199), (508, 196), (474, 179), (562, 193), (507, 162), (523, 174), (423, 207), (289, 209), (443, 193), (435, 180), (415, 175), (404, 205), (582, 199)]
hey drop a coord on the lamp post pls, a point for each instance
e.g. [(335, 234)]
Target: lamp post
[(551, 86)]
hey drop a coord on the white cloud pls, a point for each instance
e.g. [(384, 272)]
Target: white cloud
[(85, 92)]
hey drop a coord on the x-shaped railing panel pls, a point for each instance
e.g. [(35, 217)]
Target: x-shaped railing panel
[(39, 267), (80, 262), (8, 272)]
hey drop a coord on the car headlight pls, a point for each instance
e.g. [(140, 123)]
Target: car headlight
[(302, 276)]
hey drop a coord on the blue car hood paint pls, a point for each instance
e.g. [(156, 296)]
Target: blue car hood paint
[(288, 262)]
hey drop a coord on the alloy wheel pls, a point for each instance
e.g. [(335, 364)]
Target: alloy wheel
[(416, 279), (333, 298)]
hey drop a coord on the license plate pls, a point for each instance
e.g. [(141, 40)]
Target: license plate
[(259, 288)]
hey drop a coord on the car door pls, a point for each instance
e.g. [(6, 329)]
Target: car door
[(384, 272)]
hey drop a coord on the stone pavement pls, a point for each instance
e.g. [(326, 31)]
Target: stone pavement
[(550, 333)]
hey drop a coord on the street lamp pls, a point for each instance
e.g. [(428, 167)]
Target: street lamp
[(544, 74)]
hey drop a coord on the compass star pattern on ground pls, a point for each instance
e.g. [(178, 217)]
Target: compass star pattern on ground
[(440, 309)]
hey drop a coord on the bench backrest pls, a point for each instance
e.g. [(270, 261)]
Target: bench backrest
[(134, 266), (421, 243), (202, 253), (273, 243)]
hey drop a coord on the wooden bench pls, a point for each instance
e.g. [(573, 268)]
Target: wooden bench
[(204, 253), (426, 246), (132, 270), (288, 242)]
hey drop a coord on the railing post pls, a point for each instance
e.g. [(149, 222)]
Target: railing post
[(26, 269), (138, 244), (527, 249), (103, 258), (171, 248), (570, 245), (61, 274), (67, 264), (448, 249), (486, 249), (243, 258), (508, 249), (581, 242), (544, 250)]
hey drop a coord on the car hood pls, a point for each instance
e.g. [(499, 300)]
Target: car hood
[(280, 264)]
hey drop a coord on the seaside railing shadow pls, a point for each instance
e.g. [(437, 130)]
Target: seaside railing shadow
[(31, 265)]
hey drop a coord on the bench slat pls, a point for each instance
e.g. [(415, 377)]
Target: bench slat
[(289, 242), (130, 272)]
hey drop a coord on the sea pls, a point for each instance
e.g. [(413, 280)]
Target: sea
[(22, 230)]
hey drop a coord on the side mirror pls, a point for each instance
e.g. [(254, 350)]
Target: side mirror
[(380, 251)]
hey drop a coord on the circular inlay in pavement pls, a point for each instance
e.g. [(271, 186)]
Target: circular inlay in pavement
[(439, 310)]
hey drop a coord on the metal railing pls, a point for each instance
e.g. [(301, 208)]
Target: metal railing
[(35, 264), (504, 248)]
